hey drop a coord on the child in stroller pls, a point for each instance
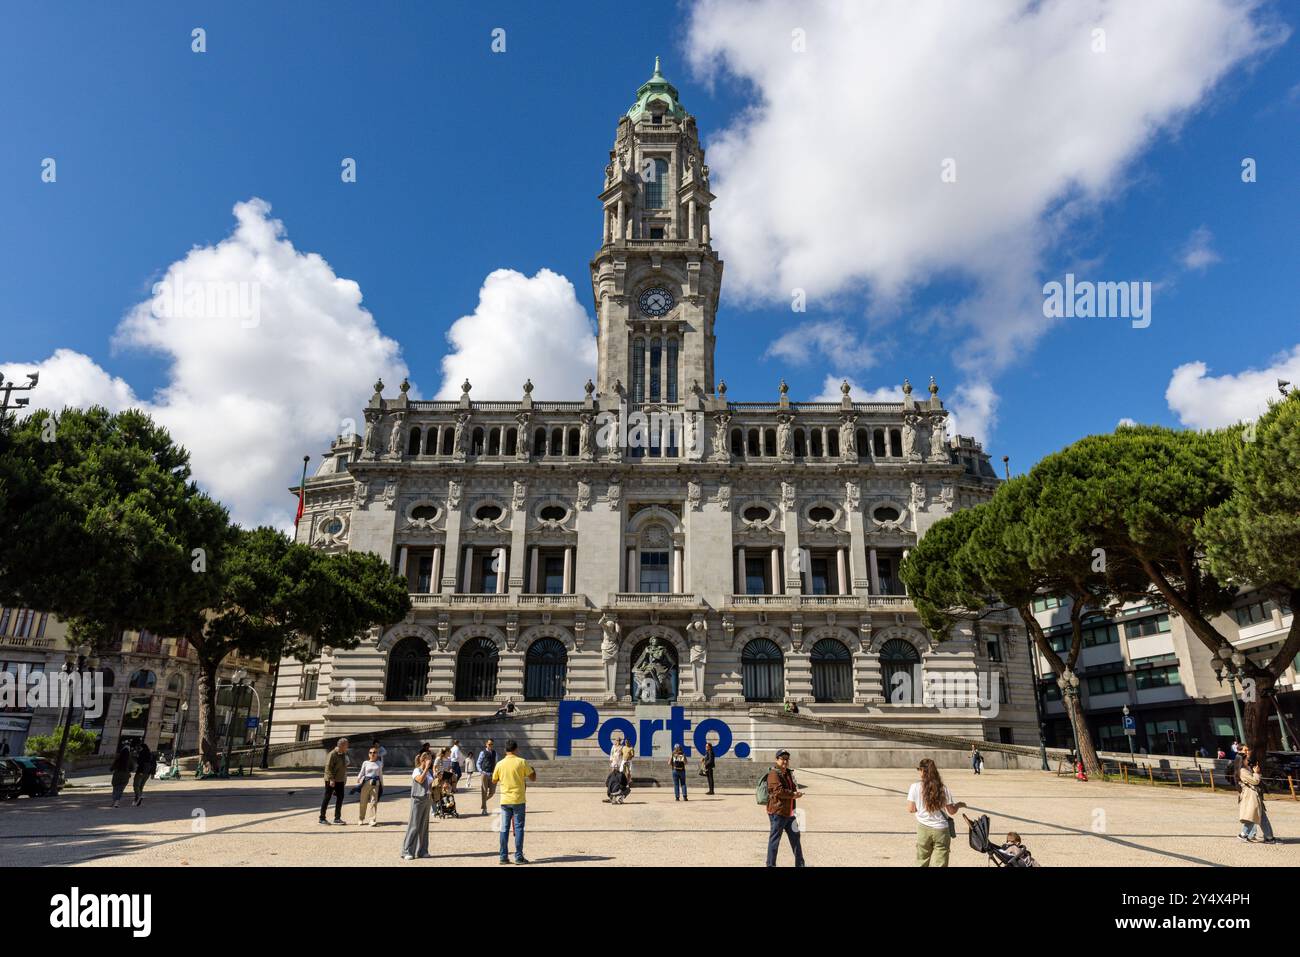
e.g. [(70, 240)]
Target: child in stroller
[(617, 787), (1012, 853), (445, 806)]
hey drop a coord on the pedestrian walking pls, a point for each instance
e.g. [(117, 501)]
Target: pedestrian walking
[(371, 779), (336, 781), (677, 761), (513, 774), (123, 764), (976, 759), (928, 799), (455, 757), (626, 766), (782, 792), (1250, 802), (416, 842), (707, 762), (486, 764), (383, 756), (145, 766)]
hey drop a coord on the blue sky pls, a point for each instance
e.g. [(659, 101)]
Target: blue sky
[(471, 161)]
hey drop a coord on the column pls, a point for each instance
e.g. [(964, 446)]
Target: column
[(776, 571), (875, 572), (503, 564), (839, 572), (631, 569), (467, 570), (677, 571), (532, 572), (646, 394), (451, 548), (690, 220), (568, 570), (435, 573), (622, 229), (740, 572), (401, 560), (906, 552)]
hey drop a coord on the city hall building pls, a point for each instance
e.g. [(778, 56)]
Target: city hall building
[(549, 541)]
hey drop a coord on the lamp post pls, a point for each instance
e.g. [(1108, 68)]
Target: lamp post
[(1038, 701), (69, 668), (236, 686), (1225, 665), (7, 388), (1069, 685), (1128, 735)]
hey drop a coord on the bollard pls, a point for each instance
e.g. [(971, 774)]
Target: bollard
[(1291, 781), (1150, 776), (1178, 773)]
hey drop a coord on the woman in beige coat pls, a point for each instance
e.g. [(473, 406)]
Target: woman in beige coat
[(1250, 802)]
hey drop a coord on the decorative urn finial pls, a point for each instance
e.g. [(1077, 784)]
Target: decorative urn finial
[(844, 388), (907, 387), (528, 387), (406, 385), (465, 387), (934, 387)]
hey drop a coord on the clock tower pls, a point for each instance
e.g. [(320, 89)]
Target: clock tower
[(656, 278)]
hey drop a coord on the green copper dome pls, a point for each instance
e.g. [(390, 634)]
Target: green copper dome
[(656, 89)]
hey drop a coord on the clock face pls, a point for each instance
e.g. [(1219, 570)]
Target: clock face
[(656, 301)]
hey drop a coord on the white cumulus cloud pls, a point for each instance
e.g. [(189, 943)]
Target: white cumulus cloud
[(522, 328), (70, 379), (1203, 401), (832, 181), (1198, 252), (269, 355), (827, 339), (831, 391)]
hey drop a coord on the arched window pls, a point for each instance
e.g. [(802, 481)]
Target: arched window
[(815, 443), (448, 441), (896, 443), (476, 670), (175, 685), (476, 445), (763, 670), (671, 374), (539, 443), (899, 657), (557, 441), (413, 443), (494, 441), (769, 442), (512, 441), (143, 680), (638, 370), (656, 186), (572, 446), (832, 671), (860, 438), (545, 670), (431, 440), (878, 443), (655, 558), (737, 442), (408, 671), (656, 369), (833, 443), (667, 655), (800, 444), (754, 450)]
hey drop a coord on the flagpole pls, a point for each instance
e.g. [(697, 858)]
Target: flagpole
[(275, 675)]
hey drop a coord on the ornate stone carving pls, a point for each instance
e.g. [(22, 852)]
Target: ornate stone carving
[(374, 425), (919, 498), (723, 498), (453, 494), (519, 496), (460, 443), (583, 501), (720, 423), (693, 495), (585, 451), (614, 495), (852, 496), (848, 438), (938, 438), (395, 436), (784, 449), (787, 497)]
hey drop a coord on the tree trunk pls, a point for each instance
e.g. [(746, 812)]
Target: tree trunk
[(1258, 707), (1087, 753), (207, 712)]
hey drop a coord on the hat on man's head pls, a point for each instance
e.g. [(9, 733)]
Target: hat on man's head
[(783, 753)]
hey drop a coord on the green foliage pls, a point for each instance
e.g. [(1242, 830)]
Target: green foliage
[(1253, 537), (80, 742)]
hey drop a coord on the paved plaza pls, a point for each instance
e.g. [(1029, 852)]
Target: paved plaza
[(854, 817)]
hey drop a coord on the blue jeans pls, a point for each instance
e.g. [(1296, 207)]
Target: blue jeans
[(785, 824), (1263, 829), (679, 784), (515, 813)]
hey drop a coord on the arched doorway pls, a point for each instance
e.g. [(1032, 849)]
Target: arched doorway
[(408, 670), (762, 670), (666, 656), (545, 670), (832, 671), (476, 670), (899, 657)]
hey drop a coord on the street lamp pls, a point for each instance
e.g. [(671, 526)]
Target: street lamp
[(236, 685), (79, 667), (1069, 685), (1226, 664), (1038, 701), (7, 388), (1129, 736)]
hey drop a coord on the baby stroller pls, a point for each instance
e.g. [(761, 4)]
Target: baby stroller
[(1001, 855), (445, 805), (617, 787)]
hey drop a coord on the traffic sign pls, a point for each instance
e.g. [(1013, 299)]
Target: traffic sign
[(251, 722)]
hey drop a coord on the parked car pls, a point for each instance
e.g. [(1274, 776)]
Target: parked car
[(11, 779), (38, 775)]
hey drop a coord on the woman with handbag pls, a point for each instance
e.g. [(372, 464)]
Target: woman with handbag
[(929, 799), (1250, 803), (706, 765)]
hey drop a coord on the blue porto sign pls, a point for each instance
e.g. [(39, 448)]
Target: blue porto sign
[(580, 719)]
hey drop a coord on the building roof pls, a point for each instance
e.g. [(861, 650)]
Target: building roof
[(656, 89)]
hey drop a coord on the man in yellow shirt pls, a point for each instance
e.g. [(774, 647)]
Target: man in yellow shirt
[(512, 774)]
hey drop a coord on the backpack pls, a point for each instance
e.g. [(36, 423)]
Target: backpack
[(760, 792)]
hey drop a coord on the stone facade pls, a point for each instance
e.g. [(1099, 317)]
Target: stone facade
[(653, 507)]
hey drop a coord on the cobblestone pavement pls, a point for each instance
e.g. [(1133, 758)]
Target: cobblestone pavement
[(854, 817)]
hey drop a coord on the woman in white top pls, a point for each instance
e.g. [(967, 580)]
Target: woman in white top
[(369, 777), (928, 799)]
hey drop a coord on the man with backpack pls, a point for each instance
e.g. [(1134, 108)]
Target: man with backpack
[(779, 792)]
